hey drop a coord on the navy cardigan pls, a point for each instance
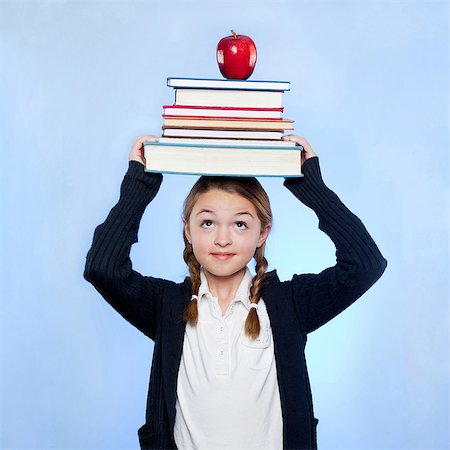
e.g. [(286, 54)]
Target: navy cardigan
[(296, 307)]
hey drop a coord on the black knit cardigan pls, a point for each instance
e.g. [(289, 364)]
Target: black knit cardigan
[(295, 307)]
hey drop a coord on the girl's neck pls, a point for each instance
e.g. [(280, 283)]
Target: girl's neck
[(225, 288)]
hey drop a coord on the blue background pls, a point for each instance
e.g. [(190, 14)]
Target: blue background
[(81, 79)]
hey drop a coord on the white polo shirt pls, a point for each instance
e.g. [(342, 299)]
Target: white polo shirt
[(227, 391)]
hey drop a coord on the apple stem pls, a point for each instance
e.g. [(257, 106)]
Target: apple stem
[(234, 33)]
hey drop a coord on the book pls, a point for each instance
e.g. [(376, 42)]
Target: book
[(226, 123), (226, 111), (222, 134), (213, 83), (222, 160), (225, 142), (228, 97)]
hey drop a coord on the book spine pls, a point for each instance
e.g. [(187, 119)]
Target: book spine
[(218, 145), (250, 85), (234, 142), (223, 134), (232, 98), (224, 113), (231, 118), (224, 108)]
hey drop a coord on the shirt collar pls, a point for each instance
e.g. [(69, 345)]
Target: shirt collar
[(242, 293)]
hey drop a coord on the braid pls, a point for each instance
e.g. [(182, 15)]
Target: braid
[(252, 326), (190, 314)]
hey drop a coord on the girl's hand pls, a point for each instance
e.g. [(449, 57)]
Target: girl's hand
[(307, 151), (137, 149)]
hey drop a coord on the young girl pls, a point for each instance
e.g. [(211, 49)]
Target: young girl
[(229, 369)]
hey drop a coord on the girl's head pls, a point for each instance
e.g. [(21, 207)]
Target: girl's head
[(226, 223)]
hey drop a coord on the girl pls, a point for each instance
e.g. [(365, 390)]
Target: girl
[(229, 369)]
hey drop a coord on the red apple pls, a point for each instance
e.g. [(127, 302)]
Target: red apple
[(236, 56)]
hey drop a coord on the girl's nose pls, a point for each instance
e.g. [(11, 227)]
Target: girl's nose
[(222, 237)]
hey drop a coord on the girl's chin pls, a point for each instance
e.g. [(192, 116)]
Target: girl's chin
[(224, 272)]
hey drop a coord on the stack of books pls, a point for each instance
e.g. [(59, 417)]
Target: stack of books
[(225, 127)]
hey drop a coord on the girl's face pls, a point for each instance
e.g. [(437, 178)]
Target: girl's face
[(224, 231)]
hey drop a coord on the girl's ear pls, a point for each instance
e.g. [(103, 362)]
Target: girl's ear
[(263, 235), (187, 232)]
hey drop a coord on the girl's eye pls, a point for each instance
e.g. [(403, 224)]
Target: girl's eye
[(241, 225), (207, 224)]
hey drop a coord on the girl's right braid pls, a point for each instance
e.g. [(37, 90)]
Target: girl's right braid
[(252, 326), (190, 314)]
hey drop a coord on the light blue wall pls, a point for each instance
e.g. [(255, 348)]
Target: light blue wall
[(80, 79)]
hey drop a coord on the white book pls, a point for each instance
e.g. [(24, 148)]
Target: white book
[(223, 134), (198, 111), (225, 160), (219, 97), (225, 142), (214, 83)]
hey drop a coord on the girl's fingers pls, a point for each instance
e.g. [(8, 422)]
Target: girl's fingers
[(307, 151), (137, 149), (142, 139), (293, 137)]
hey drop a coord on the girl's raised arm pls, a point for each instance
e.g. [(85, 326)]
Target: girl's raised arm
[(359, 264), (108, 265)]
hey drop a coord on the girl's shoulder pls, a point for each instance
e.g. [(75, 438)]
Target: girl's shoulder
[(183, 288)]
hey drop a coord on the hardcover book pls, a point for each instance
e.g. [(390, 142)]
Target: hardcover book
[(222, 134), (228, 142), (222, 160), (227, 123), (213, 83), (229, 97), (211, 111)]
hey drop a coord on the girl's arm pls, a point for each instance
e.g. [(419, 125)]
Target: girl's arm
[(108, 265), (320, 297)]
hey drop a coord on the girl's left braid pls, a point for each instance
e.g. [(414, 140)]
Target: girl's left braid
[(252, 326), (190, 314)]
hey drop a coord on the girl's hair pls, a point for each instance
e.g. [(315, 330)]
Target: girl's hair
[(251, 189)]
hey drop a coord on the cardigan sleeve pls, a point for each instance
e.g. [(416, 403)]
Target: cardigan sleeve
[(359, 264), (108, 266)]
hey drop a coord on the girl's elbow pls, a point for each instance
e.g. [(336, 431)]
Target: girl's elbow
[(381, 267), (90, 274), (364, 276), (376, 270), (95, 274)]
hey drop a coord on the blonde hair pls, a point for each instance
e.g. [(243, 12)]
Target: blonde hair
[(251, 189)]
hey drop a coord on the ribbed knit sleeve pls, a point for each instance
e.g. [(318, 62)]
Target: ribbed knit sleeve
[(359, 264), (108, 265)]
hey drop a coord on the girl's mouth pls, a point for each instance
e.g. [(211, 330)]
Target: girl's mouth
[(222, 256)]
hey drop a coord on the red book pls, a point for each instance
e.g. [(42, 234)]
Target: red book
[(223, 111)]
